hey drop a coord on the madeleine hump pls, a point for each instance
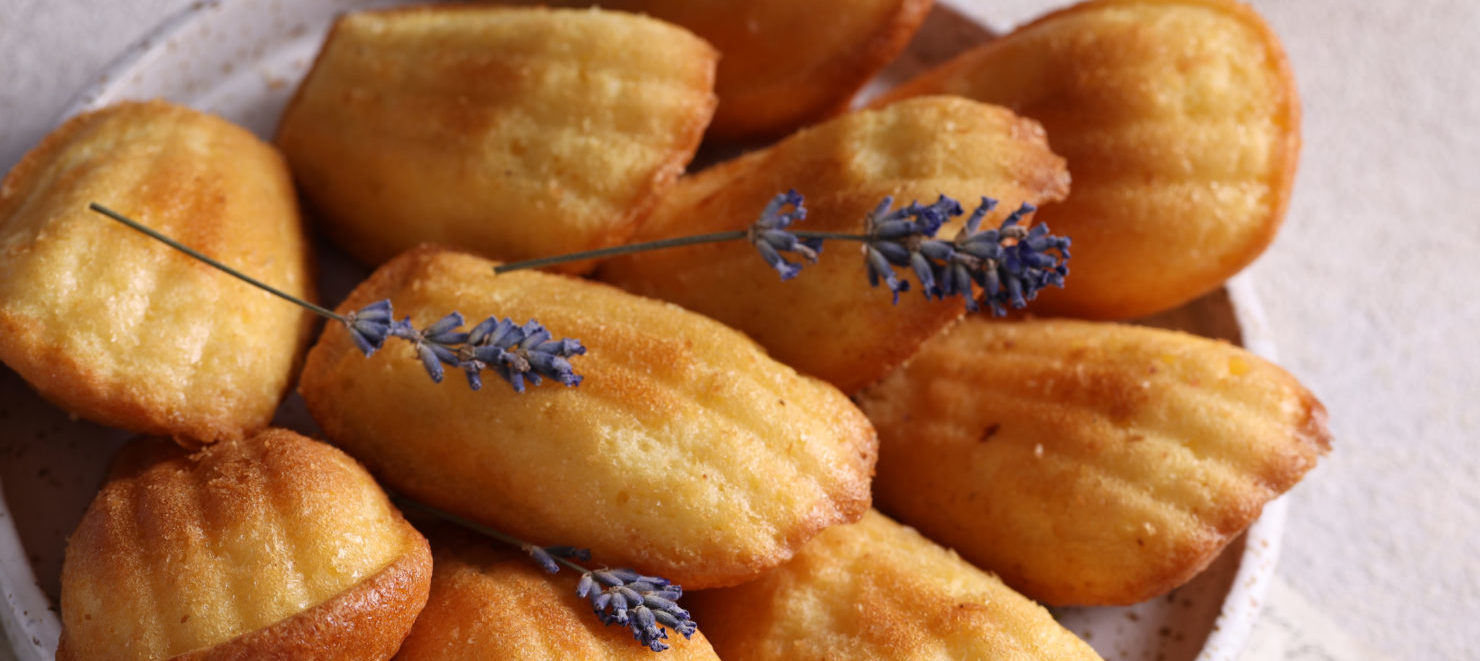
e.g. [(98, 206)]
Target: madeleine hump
[(879, 590), (1088, 463), (686, 452), (121, 330), (510, 132), (1181, 125), (830, 323), (489, 602), (271, 547), (785, 64)]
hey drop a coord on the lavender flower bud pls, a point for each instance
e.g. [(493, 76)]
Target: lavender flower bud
[(543, 558), (369, 326), (769, 236)]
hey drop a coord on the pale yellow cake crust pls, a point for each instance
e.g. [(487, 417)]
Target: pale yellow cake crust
[(1088, 463), (785, 64), (879, 590), (511, 132), (489, 601), (828, 321), (120, 329), (275, 546), (686, 452), (1181, 125)]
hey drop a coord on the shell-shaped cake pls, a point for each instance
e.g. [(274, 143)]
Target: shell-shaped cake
[(686, 452), (1088, 463), (118, 328), (828, 321), (490, 602), (272, 547), (511, 132), (1180, 122), (879, 590), (785, 64)]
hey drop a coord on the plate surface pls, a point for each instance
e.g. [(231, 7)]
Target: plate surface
[(242, 59)]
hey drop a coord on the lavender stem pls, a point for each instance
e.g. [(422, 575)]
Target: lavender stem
[(716, 237), (405, 504), (321, 311)]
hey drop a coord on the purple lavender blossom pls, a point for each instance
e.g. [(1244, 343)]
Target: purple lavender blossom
[(769, 235), (369, 326), (1011, 263), (545, 556), (644, 604), (899, 238), (516, 353)]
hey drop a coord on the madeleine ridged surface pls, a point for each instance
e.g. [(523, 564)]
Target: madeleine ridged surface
[(491, 602), (1180, 123), (118, 328), (686, 452), (1088, 463), (276, 546), (828, 321), (785, 64), (511, 132), (878, 590)]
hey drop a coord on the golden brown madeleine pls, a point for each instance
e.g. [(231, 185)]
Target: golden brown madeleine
[(118, 328), (1180, 122), (515, 133), (1088, 463), (784, 63), (686, 452), (829, 322), (274, 546), (878, 590), (490, 602)]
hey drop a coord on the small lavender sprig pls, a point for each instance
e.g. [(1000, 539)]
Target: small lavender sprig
[(516, 353), (1010, 263), (645, 604), (648, 605)]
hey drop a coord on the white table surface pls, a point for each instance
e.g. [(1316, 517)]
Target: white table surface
[(1370, 288)]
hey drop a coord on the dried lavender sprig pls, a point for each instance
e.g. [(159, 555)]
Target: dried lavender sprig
[(648, 605), (1010, 263), (516, 353)]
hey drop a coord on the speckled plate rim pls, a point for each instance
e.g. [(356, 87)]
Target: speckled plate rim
[(27, 620)]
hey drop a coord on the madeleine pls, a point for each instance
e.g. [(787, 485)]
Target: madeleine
[(118, 328), (515, 133), (1180, 122), (785, 64), (490, 602), (1088, 463), (829, 322), (878, 590), (686, 452), (271, 547)]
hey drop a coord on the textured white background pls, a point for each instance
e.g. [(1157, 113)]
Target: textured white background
[(1370, 288)]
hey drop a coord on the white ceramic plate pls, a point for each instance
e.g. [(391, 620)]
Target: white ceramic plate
[(242, 59)]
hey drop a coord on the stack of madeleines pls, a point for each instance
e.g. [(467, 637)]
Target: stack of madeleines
[(733, 432)]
